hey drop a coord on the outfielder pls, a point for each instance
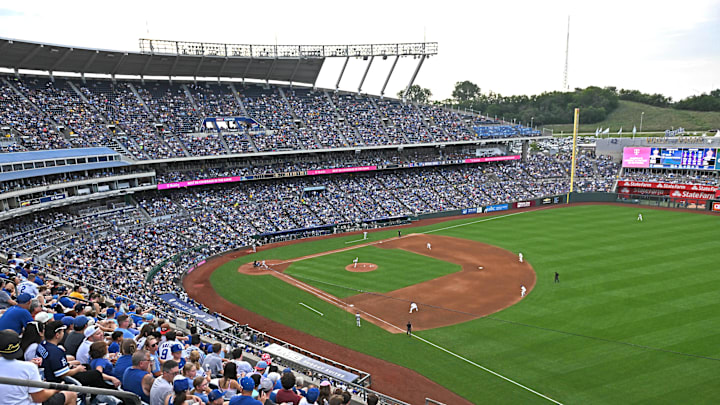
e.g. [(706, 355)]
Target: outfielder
[(639, 217), (357, 319), (520, 257), (413, 307), (355, 262), (365, 235)]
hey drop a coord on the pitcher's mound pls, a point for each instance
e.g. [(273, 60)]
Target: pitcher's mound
[(361, 267)]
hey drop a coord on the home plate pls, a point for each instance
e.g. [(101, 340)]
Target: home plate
[(480, 267), (352, 305)]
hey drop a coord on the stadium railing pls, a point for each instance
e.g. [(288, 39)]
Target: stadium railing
[(127, 397)]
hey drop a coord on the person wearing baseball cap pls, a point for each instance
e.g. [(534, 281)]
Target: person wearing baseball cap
[(181, 388), (17, 316), (245, 397), (216, 397), (11, 366), (177, 351)]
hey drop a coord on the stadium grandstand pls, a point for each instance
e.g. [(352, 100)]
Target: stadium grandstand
[(113, 189)]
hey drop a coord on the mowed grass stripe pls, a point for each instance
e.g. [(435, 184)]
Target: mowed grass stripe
[(396, 269), (644, 283)]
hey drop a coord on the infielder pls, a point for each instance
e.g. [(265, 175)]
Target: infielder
[(639, 217), (523, 290), (413, 307), (520, 257), (429, 246), (357, 319), (355, 262)]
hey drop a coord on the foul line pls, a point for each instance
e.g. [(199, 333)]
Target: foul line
[(353, 241), (312, 309), (478, 221)]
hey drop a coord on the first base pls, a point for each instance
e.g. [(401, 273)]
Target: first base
[(480, 267)]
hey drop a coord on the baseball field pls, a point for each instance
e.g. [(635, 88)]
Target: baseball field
[(634, 318)]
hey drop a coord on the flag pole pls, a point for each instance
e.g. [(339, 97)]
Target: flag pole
[(572, 166)]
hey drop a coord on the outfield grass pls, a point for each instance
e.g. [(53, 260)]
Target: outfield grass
[(655, 119), (328, 272), (636, 304)]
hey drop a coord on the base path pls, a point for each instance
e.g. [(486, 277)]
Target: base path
[(454, 298), (388, 378)]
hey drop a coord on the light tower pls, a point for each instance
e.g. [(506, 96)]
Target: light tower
[(567, 53)]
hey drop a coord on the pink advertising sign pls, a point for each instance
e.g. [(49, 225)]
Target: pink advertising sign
[(636, 157)]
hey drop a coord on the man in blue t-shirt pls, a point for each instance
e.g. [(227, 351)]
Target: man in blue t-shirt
[(54, 362), (17, 316)]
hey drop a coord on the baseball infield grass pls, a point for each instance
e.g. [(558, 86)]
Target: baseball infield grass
[(328, 272), (633, 320)]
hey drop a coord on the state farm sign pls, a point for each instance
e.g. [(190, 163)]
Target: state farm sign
[(668, 186), (693, 195)]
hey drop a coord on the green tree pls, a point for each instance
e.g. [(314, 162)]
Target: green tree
[(465, 92), (417, 94)]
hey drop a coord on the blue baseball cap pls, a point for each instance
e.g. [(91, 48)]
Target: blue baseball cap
[(215, 394), (312, 395), (67, 320), (175, 348), (24, 298), (247, 384), (110, 311), (81, 321), (66, 302), (181, 384)]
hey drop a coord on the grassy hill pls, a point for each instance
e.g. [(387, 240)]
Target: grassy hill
[(656, 119)]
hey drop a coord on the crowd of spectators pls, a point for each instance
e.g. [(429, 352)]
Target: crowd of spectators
[(159, 119)]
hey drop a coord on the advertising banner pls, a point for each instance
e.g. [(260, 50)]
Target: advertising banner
[(668, 186), (203, 317), (636, 157), (497, 207), (307, 362), (716, 206), (493, 159), (337, 170), (467, 211), (202, 182), (524, 204)]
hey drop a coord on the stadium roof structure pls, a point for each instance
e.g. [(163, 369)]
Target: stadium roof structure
[(285, 63)]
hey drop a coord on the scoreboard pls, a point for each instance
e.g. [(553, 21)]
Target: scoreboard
[(672, 158)]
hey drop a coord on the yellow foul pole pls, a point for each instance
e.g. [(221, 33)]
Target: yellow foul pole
[(572, 166)]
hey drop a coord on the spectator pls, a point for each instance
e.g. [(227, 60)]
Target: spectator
[(92, 334), (17, 316), (213, 362), (127, 349), (12, 367), (75, 338), (137, 379), (286, 394), (162, 386), (229, 381), (245, 397)]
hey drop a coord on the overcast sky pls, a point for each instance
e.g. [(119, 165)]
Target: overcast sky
[(510, 47)]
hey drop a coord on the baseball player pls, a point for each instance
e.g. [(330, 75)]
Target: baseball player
[(639, 217), (429, 246), (357, 319), (523, 290), (365, 235), (355, 262), (557, 277), (409, 328), (520, 257), (413, 307)]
